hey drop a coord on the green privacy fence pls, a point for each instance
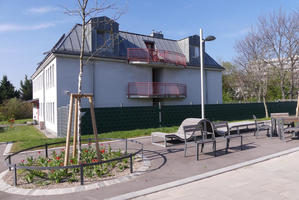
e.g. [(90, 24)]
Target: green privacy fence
[(129, 118)]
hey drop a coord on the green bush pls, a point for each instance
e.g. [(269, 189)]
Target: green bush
[(15, 108)]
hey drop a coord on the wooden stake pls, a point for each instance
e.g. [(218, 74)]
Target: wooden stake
[(94, 126), (297, 109), (69, 129), (75, 128)]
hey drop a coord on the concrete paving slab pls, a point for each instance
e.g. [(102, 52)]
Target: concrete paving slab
[(266, 185)]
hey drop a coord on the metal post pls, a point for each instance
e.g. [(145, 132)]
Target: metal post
[(131, 163), (142, 152), (160, 115), (201, 75), (126, 150), (46, 150), (15, 175), (197, 149), (81, 175), (9, 163)]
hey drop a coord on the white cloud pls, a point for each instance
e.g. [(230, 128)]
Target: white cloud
[(42, 10), (237, 33), (14, 27)]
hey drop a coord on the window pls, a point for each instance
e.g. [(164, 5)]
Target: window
[(50, 112), (105, 40), (41, 110), (49, 77), (196, 52), (150, 45), (38, 83)]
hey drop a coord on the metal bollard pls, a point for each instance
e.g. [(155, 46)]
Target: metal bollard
[(15, 175), (81, 175), (131, 163), (9, 163), (46, 150)]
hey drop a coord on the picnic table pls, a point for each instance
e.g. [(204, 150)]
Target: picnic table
[(288, 120)]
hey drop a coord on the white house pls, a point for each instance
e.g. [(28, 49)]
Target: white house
[(123, 69)]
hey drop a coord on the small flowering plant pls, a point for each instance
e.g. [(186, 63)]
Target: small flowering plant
[(88, 155), (11, 122)]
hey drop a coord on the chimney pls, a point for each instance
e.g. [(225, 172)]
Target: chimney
[(157, 34)]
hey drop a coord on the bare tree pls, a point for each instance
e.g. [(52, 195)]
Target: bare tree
[(85, 10), (280, 35), (292, 48), (252, 53)]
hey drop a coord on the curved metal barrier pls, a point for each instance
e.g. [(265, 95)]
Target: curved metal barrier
[(15, 166)]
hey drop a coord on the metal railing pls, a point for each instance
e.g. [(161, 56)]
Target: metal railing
[(15, 166), (156, 90), (155, 56)]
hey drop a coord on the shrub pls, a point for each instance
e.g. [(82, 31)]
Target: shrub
[(15, 108)]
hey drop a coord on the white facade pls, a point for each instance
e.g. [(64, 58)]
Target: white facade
[(108, 81), (45, 90)]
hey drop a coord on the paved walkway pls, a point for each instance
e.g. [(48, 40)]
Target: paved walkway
[(169, 164), (273, 179)]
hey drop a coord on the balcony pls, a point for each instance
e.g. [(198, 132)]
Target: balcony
[(156, 90), (146, 56)]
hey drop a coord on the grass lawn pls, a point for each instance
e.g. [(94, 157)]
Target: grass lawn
[(28, 136), (18, 121)]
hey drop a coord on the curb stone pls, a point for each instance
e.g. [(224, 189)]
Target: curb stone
[(7, 148), (191, 179), (4, 187)]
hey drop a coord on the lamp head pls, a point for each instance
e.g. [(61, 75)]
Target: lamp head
[(210, 38)]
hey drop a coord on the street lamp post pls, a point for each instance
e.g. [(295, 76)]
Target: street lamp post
[(202, 41)]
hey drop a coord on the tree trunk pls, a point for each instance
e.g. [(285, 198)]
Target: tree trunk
[(266, 107), (80, 83), (292, 85), (282, 89)]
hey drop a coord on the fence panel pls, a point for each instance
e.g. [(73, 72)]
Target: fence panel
[(129, 118), (121, 118)]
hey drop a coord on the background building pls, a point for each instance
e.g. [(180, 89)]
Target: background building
[(122, 70)]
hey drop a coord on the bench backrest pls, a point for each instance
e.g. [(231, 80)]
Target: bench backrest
[(203, 128), (277, 115), (221, 128)]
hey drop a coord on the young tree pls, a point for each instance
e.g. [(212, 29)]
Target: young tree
[(7, 90), (26, 89), (85, 10)]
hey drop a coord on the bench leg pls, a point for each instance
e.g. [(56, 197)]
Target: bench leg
[(227, 145), (197, 151), (185, 148), (241, 142), (214, 148), (202, 146)]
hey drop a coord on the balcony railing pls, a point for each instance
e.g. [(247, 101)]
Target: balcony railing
[(155, 56), (156, 90)]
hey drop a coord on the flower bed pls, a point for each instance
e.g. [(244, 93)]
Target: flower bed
[(44, 170)]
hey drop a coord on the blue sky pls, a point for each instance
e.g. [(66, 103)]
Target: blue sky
[(28, 28)]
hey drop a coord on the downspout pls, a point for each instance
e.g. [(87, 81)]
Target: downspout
[(44, 98)]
